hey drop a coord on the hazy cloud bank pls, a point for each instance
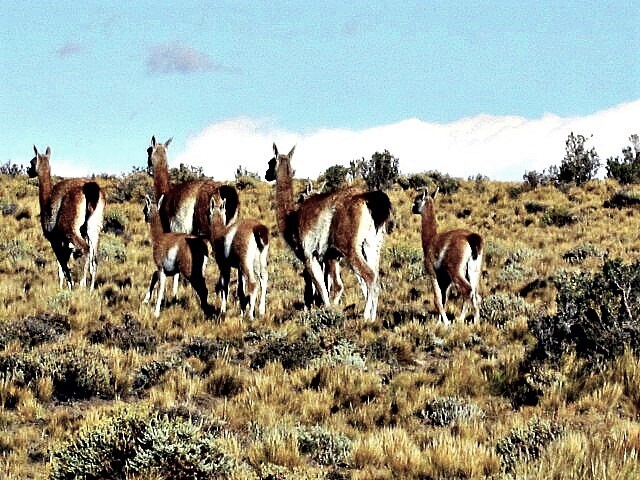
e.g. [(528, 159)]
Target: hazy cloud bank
[(501, 147)]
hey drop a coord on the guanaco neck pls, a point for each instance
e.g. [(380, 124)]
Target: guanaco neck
[(44, 187), (218, 227), (156, 227), (284, 194), (161, 184), (429, 225)]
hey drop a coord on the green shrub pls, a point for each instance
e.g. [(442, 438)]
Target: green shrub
[(12, 169), (535, 207), (185, 173), (111, 248), (444, 411), (133, 443), (334, 176), (597, 315), (323, 446), (246, 179), (559, 217), (525, 444), (515, 273), (626, 169), (381, 171), (579, 164), (131, 187)]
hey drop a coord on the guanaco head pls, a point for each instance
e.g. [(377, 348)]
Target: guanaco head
[(310, 190), (157, 151), (38, 161), (150, 209), (422, 199), (279, 164), (217, 211)]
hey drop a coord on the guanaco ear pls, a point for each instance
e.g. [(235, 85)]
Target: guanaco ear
[(291, 152), (147, 200), (223, 204), (48, 152), (309, 188), (35, 150), (435, 193), (160, 201), (166, 144), (153, 141), (275, 149)]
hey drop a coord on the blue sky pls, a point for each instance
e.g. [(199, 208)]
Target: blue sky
[(434, 82)]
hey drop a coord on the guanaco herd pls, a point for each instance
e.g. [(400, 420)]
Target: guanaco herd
[(320, 228)]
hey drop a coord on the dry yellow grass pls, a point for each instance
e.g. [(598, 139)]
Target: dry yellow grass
[(366, 383)]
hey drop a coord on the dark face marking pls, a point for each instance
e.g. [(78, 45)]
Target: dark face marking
[(32, 171), (270, 175)]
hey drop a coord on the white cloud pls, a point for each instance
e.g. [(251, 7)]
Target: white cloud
[(501, 147)]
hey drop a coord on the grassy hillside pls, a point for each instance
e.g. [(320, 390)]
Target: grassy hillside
[(91, 383)]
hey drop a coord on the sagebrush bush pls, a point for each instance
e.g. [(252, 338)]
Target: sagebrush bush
[(133, 443), (342, 353), (444, 411), (515, 273), (111, 248), (527, 443), (500, 307), (323, 446)]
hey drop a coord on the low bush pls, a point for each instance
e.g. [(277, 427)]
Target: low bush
[(444, 411), (623, 199), (500, 307), (34, 330), (597, 315), (527, 443), (151, 373), (323, 446), (558, 217), (129, 335), (580, 253), (78, 372), (291, 354), (111, 248), (137, 444)]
